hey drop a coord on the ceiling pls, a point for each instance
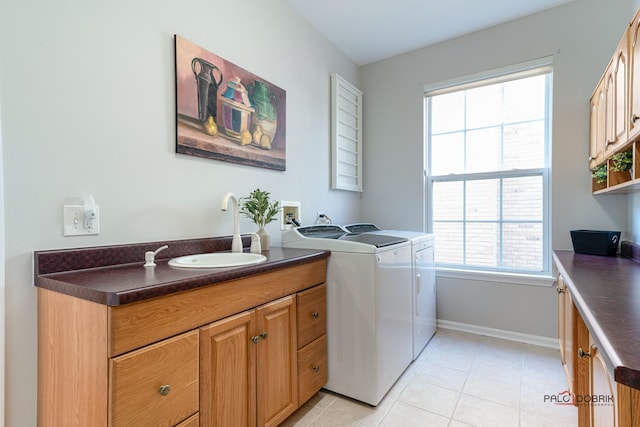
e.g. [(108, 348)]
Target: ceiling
[(371, 30)]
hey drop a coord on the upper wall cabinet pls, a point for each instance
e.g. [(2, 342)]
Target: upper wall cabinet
[(597, 136), (615, 118), (616, 98), (634, 77), (346, 135)]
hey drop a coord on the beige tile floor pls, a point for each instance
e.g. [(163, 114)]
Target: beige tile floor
[(459, 380)]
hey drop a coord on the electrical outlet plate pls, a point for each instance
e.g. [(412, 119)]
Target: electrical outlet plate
[(289, 208), (74, 221)]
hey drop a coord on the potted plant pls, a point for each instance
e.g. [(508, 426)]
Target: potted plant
[(622, 161), (599, 173), (259, 209)]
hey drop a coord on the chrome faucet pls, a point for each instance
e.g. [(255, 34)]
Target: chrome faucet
[(236, 243)]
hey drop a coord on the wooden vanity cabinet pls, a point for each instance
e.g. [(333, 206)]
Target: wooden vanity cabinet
[(219, 355)]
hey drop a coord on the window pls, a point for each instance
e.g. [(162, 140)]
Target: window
[(488, 170)]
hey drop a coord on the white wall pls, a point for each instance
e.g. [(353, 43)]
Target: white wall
[(87, 95), (581, 36)]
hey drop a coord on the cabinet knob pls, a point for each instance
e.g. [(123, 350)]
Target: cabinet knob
[(263, 335), (590, 158), (610, 142), (255, 339), (316, 369), (164, 389), (560, 290), (315, 314), (582, 354), (634, 118)]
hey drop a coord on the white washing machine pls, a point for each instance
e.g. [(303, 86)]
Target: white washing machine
[(369, 336), (423, 281)]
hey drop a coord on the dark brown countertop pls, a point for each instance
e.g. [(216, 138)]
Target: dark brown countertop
[(114, 275), (606, 291)]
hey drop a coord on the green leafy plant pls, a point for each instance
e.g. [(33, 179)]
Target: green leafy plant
[(622, 161), (259, 208), (600, 173)]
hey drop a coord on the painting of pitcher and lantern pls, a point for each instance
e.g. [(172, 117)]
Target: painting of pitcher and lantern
[(225, 112)]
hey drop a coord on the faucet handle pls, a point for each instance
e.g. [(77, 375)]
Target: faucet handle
[(150, 256), (256, 247)]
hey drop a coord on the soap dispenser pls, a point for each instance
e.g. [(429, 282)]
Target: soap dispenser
[(256, 248), (150, 256)]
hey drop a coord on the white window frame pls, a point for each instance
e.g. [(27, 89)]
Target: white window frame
[(517, 71)]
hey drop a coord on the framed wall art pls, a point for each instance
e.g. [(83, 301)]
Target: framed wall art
[(225, 112)]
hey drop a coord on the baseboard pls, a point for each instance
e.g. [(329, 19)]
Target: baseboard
[(499, 333)]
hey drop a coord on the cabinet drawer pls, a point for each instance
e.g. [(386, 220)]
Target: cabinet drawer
[(193, 421), (156, 385), (312, 368), (311, 314)]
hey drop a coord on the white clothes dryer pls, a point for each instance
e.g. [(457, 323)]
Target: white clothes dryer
[(423, 281)]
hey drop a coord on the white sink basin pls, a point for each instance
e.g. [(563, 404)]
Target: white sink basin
[(217, 260)]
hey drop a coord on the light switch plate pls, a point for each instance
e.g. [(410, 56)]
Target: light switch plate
[(74, 222)]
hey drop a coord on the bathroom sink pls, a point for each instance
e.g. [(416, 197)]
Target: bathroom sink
[(217, 260)]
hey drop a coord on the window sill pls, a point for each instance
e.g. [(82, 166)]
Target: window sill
[(493, 276)]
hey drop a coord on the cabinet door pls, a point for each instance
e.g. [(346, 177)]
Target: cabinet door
[(597, 126), (566, 331), (277, 396), (634, 77), (603, 392), (227, 372), (616, 93), (581, 380)]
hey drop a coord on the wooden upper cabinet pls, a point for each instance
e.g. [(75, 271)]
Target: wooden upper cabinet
[(597, 127), (616, 98), (634, 77)]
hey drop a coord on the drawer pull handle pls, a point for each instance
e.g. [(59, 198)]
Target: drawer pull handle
[(263, 335), (316, 369), (165, 389), (255, 339), (315, 314), (582, 354)]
